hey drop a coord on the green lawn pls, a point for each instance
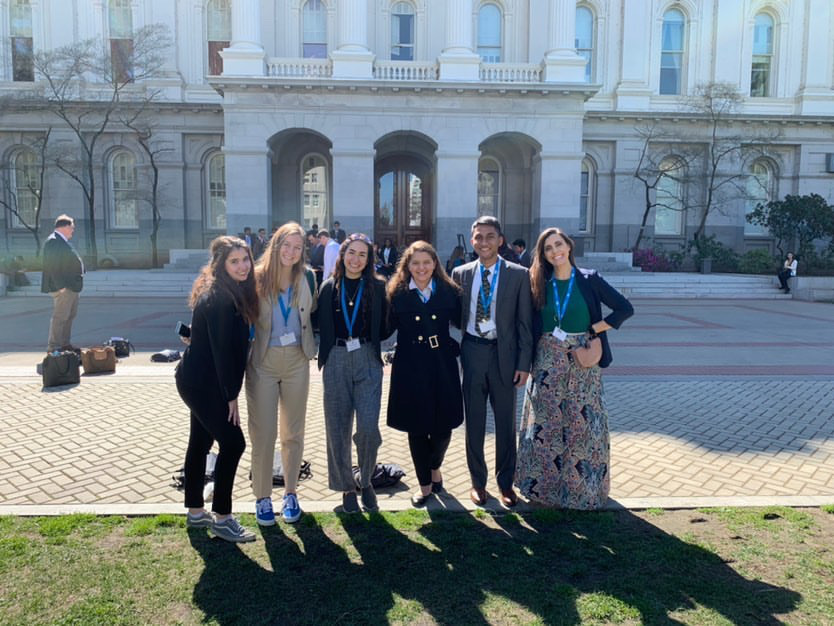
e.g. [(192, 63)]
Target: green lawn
[(713, 566)]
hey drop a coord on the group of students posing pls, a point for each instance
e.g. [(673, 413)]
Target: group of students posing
[(258, 320)]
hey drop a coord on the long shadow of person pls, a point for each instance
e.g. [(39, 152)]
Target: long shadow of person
[(410, 575), (553, 557)]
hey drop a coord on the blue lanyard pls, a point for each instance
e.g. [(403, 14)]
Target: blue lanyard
[(561, 310), (487, 301), (349, 323), (420, 293), (285, 310)]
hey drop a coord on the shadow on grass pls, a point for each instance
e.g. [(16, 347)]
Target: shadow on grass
[(559, 567)]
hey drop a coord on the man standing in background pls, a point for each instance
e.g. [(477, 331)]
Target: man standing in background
[(63, 279), (331, 253), (338, 233)]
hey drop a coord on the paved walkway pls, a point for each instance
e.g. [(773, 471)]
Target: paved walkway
[(711, 403)]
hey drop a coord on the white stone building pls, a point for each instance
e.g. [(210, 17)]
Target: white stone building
[(406, 118)]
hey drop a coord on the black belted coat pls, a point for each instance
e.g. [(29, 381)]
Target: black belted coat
[(425, 396)]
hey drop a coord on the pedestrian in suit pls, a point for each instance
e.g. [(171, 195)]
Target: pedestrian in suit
[(63, 279), (209, 377), (259, 243), (388, 258), (496, 354), (278, 371), (338, 233), (425, 398), (520, 248), (352, 320)]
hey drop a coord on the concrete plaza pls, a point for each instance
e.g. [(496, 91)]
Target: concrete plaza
[(711, 402)]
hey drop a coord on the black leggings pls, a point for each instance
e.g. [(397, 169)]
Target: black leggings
[(784, 275), (210, 423), (427, 452)]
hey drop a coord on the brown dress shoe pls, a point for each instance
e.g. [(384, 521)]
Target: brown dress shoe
[(478, 495), (509, 498)]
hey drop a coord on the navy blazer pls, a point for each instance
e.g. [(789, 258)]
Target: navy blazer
[(596, 292), (61, 266), (216, 356)]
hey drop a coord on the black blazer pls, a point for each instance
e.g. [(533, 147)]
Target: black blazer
[(219, 345), (327, 326), (61, 266), (595, 291)]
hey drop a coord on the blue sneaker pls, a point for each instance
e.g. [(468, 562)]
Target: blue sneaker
[(291, 509), (264, 513)]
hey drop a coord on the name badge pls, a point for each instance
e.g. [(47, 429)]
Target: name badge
[(560, 334), (287, 339), (486, 326), (352, 344)]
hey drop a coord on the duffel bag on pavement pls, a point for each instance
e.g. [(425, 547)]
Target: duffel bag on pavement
[(61, 368), (98, 359), (122, 346)]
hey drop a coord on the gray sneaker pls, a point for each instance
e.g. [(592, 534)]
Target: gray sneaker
[(349, 503), (203, 519), (369, 499), (230, 530)]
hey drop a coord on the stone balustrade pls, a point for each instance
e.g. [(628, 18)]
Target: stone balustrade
[(300, 68), (405, 70), (510, 73)]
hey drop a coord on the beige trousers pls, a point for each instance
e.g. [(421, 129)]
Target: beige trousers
[(278, 386), (64, 308)]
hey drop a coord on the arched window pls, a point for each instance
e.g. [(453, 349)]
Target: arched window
[(671, 55), (586, 195), (489, 187), (762, 68), (668, 212), (219, 29), (314, 25), (20, 21), (585, 39), (216, 210), (120, 18), (314, 190), (25, 183), (402, 32), (760, 190), (124, 212), (489, 33)]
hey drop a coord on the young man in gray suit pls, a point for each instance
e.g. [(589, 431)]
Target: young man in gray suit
[(496, 354), (63, 279)]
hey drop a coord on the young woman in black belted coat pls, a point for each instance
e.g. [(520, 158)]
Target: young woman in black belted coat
[(424, 399)]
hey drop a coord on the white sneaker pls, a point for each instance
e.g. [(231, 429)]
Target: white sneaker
[(231, 530)]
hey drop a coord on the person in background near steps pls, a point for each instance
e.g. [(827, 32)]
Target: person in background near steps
[(209, 377)]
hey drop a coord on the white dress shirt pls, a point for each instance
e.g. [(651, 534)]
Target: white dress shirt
[(471, 327), (331, 255)]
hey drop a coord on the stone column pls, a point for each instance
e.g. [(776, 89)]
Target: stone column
[(353, 59), (458, 61), (457, 196), (634, 92), (561, 63), (353, 186), (815, 94), (245, 56)]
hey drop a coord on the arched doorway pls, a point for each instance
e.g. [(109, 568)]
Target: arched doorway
[(403, 200), (404, 189)]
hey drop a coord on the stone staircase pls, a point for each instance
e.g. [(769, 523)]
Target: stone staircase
[(177, 284)]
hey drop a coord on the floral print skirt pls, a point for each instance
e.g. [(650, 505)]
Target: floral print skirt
[(564, 450)]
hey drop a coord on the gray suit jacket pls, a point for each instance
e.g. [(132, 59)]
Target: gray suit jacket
[(513, 312)]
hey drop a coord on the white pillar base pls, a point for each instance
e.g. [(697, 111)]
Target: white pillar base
[(460, 67), (564, 67), (815, 101), (353, 64), (633, 98), (244, 61)]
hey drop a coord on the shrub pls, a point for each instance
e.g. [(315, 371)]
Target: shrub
[(650, 260), (757, 262), (708, 247)]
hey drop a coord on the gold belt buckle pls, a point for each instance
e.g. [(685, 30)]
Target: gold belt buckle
[(434, 342)]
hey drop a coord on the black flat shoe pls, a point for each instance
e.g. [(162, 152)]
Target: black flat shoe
[(418, 500), (437, 487)]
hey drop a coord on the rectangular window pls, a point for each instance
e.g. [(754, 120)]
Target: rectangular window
[(23, 67), (760, 77), (215, 60), (488, 192), (121, 57), (402, 37), (583, 201)]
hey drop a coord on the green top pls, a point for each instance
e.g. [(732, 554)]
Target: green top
[(577, 318)]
